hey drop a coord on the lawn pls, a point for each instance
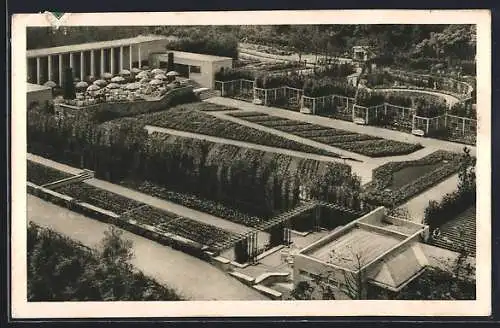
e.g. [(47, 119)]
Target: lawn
[(354, 142), (395, 182)]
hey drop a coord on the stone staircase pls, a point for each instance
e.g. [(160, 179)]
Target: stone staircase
[(451, 237)]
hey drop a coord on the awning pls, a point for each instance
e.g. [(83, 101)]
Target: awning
[(399, 269)]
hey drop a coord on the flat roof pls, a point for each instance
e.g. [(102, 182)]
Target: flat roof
[(344, 249), (197, 57), (36, 87), (93, 45)]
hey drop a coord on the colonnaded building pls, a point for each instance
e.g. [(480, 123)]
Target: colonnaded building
[(96, 58)]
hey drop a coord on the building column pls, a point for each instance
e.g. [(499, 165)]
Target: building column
[(37, 70), (60, 70), (72, 63), (130, 57), (102, 61), (92, 63), (49, 68), (82, 65), (112, 62), (139, 55), (121, 58)]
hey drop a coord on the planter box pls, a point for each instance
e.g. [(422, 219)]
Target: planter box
[(418, 132)]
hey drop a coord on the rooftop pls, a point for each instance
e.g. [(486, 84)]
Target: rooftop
[(197, 57), (35, 87), (93, 45), (355, 247), (363, 241)]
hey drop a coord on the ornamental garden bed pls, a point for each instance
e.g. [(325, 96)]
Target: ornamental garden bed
[(104, 199), (395, 182), (184, 118), (213, 237), (40, 174), (355, 142), (196, 202)]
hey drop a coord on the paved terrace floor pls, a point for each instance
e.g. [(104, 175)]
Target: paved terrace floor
[(344, 125), (193, 278)]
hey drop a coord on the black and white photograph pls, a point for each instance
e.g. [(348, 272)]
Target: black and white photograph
[(246, 161)]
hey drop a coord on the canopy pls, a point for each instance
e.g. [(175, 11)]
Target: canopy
[(124, 72), (141, 75), (160, 77), (135, 70), (100, 82), (133, 86), (50, 84), (113, 86), (106, 75), (81, 85), (173, 73), (93, 87), (155, 82), (117, 79), (90, 78), (158, 71)]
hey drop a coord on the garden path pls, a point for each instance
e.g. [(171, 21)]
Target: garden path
[(344, 125), (192, 277), (363, 170), (416, 206)]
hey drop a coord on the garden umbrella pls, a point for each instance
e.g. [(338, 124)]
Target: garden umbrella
[(93, 87), (100, 82), (141, 75), (81, 85), (106, 76), (90, 78), (157, 71), (124, 72), (136, 70), (160, 77), (172, 73), (133, 86), (117, 79), (50, 84), (113, 86), (155, 82)]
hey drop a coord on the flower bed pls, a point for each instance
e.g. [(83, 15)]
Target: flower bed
[(205, 234), (98, 197), (347, 140), (379, 191), (185, 119), (40, 174), (150, 215), (197, 203)]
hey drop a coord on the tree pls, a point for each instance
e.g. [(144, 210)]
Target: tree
[(69, 87), (467, 173), (355, 279)]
